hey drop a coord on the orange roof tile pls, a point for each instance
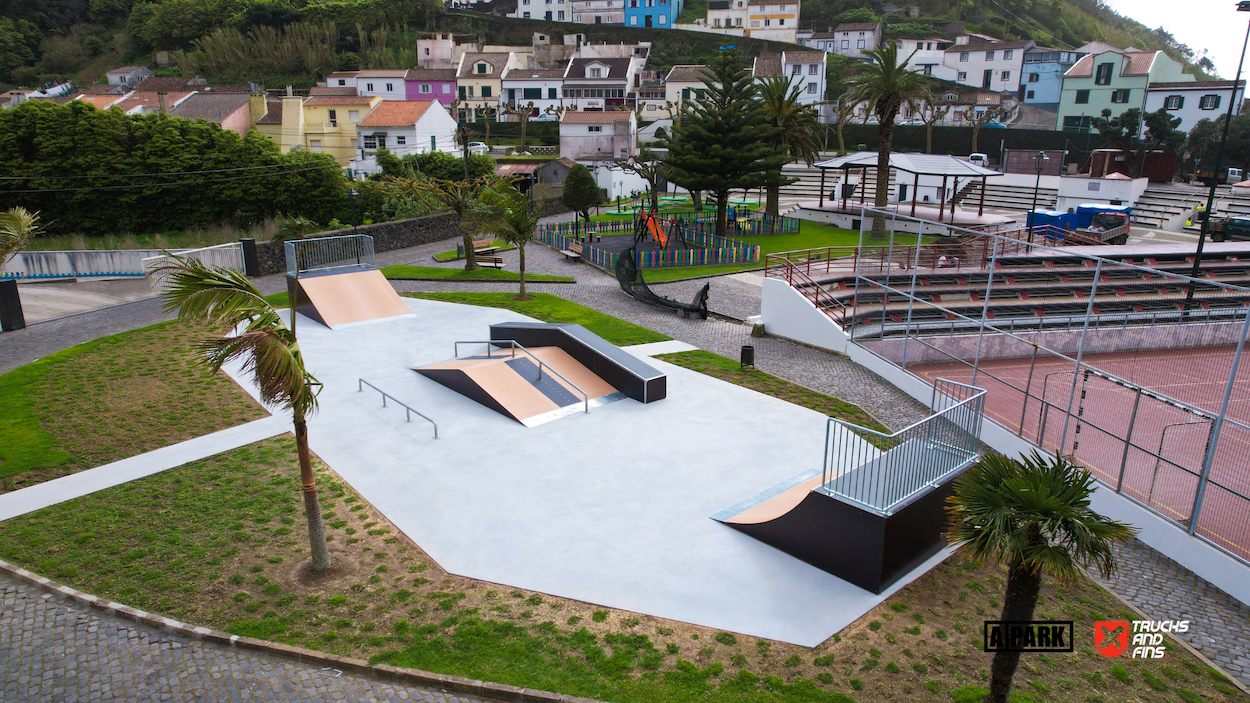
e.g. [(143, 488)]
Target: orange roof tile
[(396, 113)]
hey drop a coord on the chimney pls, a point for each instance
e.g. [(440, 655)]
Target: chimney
[(162, 98), (290, 93)]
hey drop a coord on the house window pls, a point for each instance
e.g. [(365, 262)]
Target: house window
[(353, 115), (446, 88), (781, 22), (425, 87), (486, 91), (1007, 54), (462, 92), (989, 56), (1006, 75), (532, 93), (1029, 95), (1104, 74), (633, 20), (813, 69), (1120, 96), (526, 15), (919, 45), (846, 44), (928, 69), (551, 94), (797, 70), (314, 145), (470, 91), (596, 73), (768, 23), (1209, 102), (1096, 186), (371, 142), (401, 141), (811, 88), (342, 82), (963, 56), (561, 17), (716, 22), (1082, 97), (594, 128), (481, 68), (685, 93), (963, 75), (737, 21), (1173, 102), (334, 118), (433, 142), (369, 87), (861, 44), (756, 23), (1035, 77), (389, 87)]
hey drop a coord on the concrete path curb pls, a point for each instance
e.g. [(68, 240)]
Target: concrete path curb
[(359, 667)]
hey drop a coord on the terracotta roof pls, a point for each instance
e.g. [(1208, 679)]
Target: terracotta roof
[(340, 90), (323, 100), (396, 113), (530, 74), (991, 46), (274, 115), (692, 73), (382, 73), (150, 100), (1084, 68), (567, 161), (1195, 85), (617, 68), (211, 107), (431, 74), (805, 56), (857, 27), (596, 116), (498, 60), (766, 66), (101, 102), (1139, 63), (163, 84), (105, 89)]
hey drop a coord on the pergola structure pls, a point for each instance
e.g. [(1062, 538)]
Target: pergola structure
[(916, 164)]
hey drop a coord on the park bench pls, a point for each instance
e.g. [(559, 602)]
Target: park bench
[(573, 252), (495, 262)]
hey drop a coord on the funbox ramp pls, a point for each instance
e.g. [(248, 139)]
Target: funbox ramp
[(345, 297)]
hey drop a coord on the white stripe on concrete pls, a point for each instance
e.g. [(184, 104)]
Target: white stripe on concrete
[(670, 347), (59, 490)]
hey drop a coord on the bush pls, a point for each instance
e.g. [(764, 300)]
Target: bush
[(349, 61)]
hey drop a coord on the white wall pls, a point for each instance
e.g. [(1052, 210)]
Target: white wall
[(788, 313), (398, 91), (1190, 111), (1075, 191)]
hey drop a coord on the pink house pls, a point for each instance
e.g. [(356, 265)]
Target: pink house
[(432, 84)]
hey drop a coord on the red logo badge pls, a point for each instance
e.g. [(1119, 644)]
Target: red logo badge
[(1111, 637)]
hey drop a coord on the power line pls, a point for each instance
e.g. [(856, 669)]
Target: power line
[(1037, 29), (160, 185), (145, 175)]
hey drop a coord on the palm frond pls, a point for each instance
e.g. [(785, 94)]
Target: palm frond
[(274, 361), (220, 297)]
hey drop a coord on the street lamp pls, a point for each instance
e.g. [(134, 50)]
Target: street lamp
[(1242, 6), (351, 192), (1041, 159)]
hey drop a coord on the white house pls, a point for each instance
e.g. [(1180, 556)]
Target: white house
[(543, 88), (550, 10), (850, 39), (129, 76), (684, 82), (806, 69), (404, 127), (1194, 101), (991, 66), (598, 11), (600, 84), (598, 135), (386, 83), (727, 14)]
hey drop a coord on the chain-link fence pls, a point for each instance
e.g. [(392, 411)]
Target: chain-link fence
[(1127, 365)]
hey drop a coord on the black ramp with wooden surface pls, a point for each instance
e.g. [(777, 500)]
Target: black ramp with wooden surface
[(624, 371)]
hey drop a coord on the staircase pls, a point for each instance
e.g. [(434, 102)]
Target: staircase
[(1165, 207), (1006, 197)]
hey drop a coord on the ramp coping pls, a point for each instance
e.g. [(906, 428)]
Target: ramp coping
[(741, 507)]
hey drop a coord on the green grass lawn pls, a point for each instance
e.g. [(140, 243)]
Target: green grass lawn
[(453, 255), (420, 273), (219, 542), (109, 399), (729, 370), (550, 308)]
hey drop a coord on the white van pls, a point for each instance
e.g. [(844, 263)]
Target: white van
[(981, 160)]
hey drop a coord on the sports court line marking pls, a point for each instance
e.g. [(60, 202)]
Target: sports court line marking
[(42, 495)]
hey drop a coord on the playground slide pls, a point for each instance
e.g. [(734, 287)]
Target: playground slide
[(632, 282), (654, 229)]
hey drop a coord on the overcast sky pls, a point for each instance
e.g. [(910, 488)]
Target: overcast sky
[(1214, 25)]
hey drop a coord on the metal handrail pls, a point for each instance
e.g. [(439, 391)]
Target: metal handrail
[(517, 345), (360, 388)]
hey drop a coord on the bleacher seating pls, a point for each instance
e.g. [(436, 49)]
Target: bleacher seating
[(1161, 205), (1006, 197)]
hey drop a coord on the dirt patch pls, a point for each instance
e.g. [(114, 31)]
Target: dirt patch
[(302, 577)]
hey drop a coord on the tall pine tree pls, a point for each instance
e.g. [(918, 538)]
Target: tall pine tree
[(725, 140)]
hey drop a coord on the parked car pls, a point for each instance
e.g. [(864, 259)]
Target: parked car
[(478, 148), (982, 160), (1230, 229)]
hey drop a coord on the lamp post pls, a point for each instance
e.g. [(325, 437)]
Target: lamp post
[(1040, 159), (1242, 6), (353, 194)]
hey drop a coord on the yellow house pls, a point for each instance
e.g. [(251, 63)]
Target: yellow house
[(322, 123), (775, 20)]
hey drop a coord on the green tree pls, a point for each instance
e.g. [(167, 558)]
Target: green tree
[(510, 216), (461, 197), (649, 167), (16, 227), (796, 131), (268, 350), (979, 120), (884, 86), (580, 191), (724, 141), (1120, 131), (1034, 516), (19, 40)]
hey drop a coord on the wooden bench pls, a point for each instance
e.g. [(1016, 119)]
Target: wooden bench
[(495, 262), (573, 252)]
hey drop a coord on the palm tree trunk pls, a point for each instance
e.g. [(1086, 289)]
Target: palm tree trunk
[(522, 248), (772, 201), (841, 141), (1023, 585), (885, 141), (312, 506), (470, 256), (928, 138)]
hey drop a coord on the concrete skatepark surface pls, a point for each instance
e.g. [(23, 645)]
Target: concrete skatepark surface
[(611, 507)]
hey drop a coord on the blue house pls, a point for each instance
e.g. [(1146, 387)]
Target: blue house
[(652, 13), (1042, 78)]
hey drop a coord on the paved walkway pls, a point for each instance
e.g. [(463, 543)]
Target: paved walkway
[(53, 649)]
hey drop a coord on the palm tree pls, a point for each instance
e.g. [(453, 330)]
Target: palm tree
[(511, 217), (884, 86), (17, 225), (268, 350), (797, 130), (461, 197), (1033, 515)]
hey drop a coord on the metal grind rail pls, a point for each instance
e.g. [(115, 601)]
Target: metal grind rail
[(360, 388), (326, 253), (517, 345)]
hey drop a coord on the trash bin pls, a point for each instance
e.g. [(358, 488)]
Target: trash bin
[(748, 356), (460, 251)]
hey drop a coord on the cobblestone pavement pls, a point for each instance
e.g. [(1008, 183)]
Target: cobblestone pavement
[(1219, 625), (52, 649), (1148, 579)]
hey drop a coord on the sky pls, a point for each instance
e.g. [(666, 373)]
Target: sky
[(1214, 25)]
